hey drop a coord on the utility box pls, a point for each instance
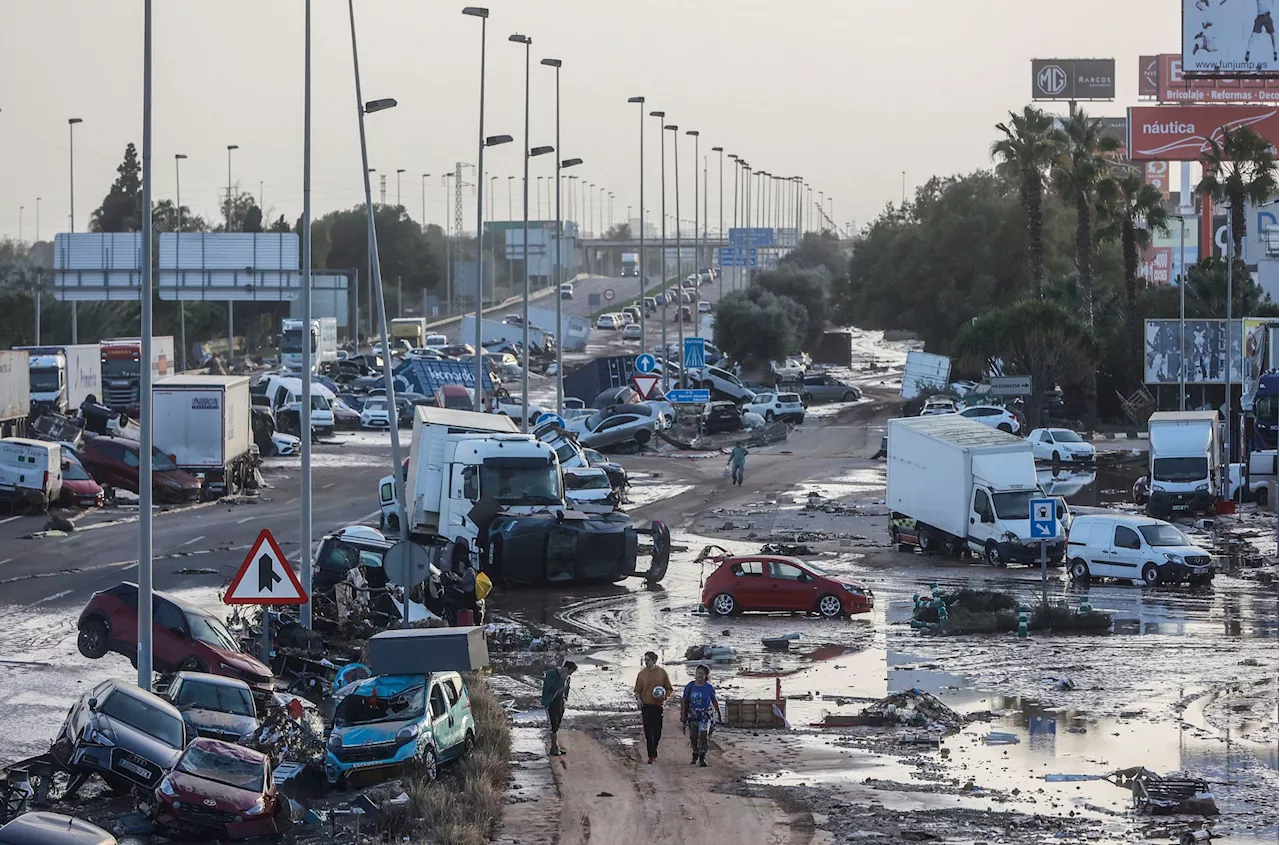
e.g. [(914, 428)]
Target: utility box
[(421, 651)]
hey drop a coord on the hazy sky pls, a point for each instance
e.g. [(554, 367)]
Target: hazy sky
[(847, 93)]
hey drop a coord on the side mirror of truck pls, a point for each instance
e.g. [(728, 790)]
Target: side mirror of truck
[(469, 484)]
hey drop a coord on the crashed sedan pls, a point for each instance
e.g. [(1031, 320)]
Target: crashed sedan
[(217, 789), (213, 706), (127, 736)]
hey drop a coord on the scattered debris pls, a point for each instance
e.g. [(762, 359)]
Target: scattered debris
[(1000, 738), (786, 549), (914, 708), (709, 651), (779, 643), (1158, 795)]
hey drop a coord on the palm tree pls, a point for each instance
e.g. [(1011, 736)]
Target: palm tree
[(1130, 211), (1027, 151), (1239, 169)]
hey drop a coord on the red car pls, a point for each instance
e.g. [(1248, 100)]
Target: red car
[(220, 790), (113, 461), (184, 637), (774, 583), (78, 487)]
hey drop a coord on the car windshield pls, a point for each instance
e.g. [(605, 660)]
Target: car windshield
[(1014, 505), (817, 570), (119, 368), (593, 455), (220, 697), (1179, 469), (160, 462), (223, 768), (788, 397), (319, 403), (587, 481), (72, 471), (521, 481), (593, 421), (366, 707), (1065, 435), (566, 451), (291, 341), (1264, 407), (142, 716), (1163, 534), (45, 379), (211, 632), (376, 405)]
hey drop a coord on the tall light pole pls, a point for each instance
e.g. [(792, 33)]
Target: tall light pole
[(363, 108), (675, 151), (145, 423), (697, 258), (38, 291), (71, 131), (721, 227), (662, 255), (231, 311), (399, 170), (424, 198), (483, 14), (1182, 312), (538, 198), (305, 427), (737, 177), (182, 305), (510, 208), (560, 164), (21, 210), (524, 348)]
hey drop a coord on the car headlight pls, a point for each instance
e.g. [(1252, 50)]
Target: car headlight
[(335, 741), (1157, 488), (407, 733), (1203, 488), (259, 807), (857, 591), (98, 737), (167, 790), (1172, 558), (1010, 537)]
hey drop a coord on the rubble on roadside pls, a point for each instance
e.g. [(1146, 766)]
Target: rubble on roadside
[(913, 708), (512, 636)]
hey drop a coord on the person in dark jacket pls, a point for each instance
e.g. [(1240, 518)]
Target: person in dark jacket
[(555, 692)]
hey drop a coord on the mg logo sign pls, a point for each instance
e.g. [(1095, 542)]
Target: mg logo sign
[(1052, 80)]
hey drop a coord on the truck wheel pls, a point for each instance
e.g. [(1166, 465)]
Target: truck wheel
[(1260, 497), (723, 604), (1150, 575), (929, 544), (992, 554), (829, 606), (92, 640), (1079, 570)]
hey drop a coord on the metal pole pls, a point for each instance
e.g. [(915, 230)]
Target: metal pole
[(304, 418), (36, 298), (145, 421), (675, 151), (560, 333), (524, 351), (737, 177), (182, 306), (71, 130), (697, 259), (1182, 313), (662, 258), (479, 385), (721, 151), (644, 336), (387, 380), (1231, 420)]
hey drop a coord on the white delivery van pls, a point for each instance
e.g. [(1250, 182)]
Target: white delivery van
[(1134, 548), (30, 473), (1186, 453)]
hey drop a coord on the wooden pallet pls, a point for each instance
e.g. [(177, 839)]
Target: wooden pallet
[(754, 713)]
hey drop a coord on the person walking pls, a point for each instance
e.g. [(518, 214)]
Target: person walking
[(738, 464), (695, 713), (555, 691), (653, 689)]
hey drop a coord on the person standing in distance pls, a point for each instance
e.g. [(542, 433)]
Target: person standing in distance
[(695, 713), (651, 681), (555, 691), (738, 463)]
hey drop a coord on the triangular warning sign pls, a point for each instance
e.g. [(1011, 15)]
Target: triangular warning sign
[(265, 577), (645, 383)]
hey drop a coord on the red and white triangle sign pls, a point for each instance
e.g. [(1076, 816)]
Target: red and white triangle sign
[(265, 577), (645, 383)]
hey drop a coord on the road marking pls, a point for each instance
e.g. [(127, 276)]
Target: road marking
[(6, 560), (192, 540), (327, 486), (9, 519), (246, 519), (53, 597)]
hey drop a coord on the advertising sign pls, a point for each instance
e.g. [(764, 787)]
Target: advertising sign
[(1073, 79), (1156, 265), (1176, 87), (1148, 76), (1206, 345), (1156, 174), (1180, 133), (1221, 38)]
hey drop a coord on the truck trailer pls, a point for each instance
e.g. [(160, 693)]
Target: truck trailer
[(204, 423), (62, 377), (122, 370), (15, 392), (413, 330)]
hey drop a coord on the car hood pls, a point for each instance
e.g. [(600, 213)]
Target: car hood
[(183, 478), (848, 582), (371, 734), (1181, 551), (216, 722), (143, 744), (199, 791), (82, 487), (243, 662)]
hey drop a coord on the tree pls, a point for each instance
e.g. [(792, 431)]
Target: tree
[(1238, 170), (1040, 339), (252, 219), (164, 217), (1026, 152), (121, 209), (619, 232), (244, 211), (281, 226), (820, 249), (755, 326), (809, 288)]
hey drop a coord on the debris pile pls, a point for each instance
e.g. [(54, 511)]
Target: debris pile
[(511, 636), (913, 708), (290, 733), (969, 611), (1158, 795), (818, 502), (786, 549)]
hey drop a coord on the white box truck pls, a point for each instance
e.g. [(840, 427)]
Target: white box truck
[(1185, 462), (204, 423), (492, 331), (30, 474), (15, 392), (630, 264), (957, 485), (324, 343), (413, 330), (64, 376)]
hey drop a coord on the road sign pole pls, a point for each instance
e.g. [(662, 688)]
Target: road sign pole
[(266, 636)]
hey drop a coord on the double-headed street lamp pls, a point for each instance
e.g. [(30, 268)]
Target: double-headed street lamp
[(483, 14), (528, 153), (662, 256), (182, 306), (640, 267), (721, 227), (424, 201), (675, 151)]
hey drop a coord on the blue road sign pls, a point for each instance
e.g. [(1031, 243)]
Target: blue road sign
[(695, 352), (645, 363), (688, 397), (549, 417), (737, 256), (593, 300), (1044, 519), (751, 237)]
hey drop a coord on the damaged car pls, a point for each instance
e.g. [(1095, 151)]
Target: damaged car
[(127, 736), (391, 722), (213, 706), (40, 828), (220, 790), (588, 489), (774, 583)]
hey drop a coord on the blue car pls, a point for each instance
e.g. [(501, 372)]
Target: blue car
[(392, 722)]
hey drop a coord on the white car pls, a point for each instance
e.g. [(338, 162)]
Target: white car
[(513, 406), (588, 490), (374, 413), (721, 381), (1134, 548), (704, 307), (791, 369), (611, 321), (993, 416), (566, 290), (776, 406), (632, 332), (937, 405), (1060, 445)]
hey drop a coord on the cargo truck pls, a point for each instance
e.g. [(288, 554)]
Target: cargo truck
[(15, 392), (324, 343), (1185, 462), (475, 484), (494, 332), (630, 264), (204, 424), (64, 376), (955, 485), (412, 330), (122, 370)]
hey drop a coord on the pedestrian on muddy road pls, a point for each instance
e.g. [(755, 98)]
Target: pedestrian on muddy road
[(738, 464), (651, 681), (696, 713), (555, 691)]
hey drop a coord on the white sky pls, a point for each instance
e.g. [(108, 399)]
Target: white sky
[(847, 93)]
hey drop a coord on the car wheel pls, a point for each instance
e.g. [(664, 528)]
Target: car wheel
[(1150, 575), (806, 399), (643, 435), (393, 522), (1006, 428), (850, 396), (1057, 458), (92, 640), (706, 385), (723, 604), (427, 766), (192, 664), (768, 416), (992, 554), (468, 744), (284, 815), (1260, 497), (1079, 570), (117, 785), (830, 607)]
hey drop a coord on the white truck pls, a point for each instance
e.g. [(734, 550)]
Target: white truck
[(64, 376), (630, 264), (324, 342), (412, 330), (30, 474), (955, 485), (122, 370), (492, 332), (474, 482), (203, 423), (1185, 462), (15, 392)]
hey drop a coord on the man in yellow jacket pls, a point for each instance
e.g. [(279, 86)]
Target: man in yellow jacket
[(653, 689)]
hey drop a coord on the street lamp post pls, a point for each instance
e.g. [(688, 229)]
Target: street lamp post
[(231, 311), (71, 131), (675, 152), (721, 227), (697, 258), (737, 177), (662, 254), (483, 14), (182, 306), (146, 430), (644, 338), (305, 427), (399, 170), (560, 165), (424, 201)]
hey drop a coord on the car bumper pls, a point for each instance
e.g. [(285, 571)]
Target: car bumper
[(335, 769), (1176, 573), (1019, 553), (376, 424), (1163, 502), (855, 603), (198, 821)]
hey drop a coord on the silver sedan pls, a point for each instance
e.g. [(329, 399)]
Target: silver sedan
[(616, 425)]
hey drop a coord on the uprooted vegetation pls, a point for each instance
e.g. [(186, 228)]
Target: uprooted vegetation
[(991, 612)]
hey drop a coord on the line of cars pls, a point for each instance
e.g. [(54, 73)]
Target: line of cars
[(1056, 445)]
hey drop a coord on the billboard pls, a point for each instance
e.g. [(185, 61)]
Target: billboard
[(1148, 76), (1156, 265), (1259, 350), (1229, 38), (1206, 345), (1180, 133), (1156, 174), (1073, 79), (1173, 86)]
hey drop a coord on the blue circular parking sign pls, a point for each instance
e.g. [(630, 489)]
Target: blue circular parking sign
[(549, 417), (645, 363)]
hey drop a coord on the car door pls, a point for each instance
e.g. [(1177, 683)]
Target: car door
[(170, 639), (1043, 445), (793, 588), (1125, 554), (982, 519), (442, 721), (130, 466), (457, 714), (750, 587)]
